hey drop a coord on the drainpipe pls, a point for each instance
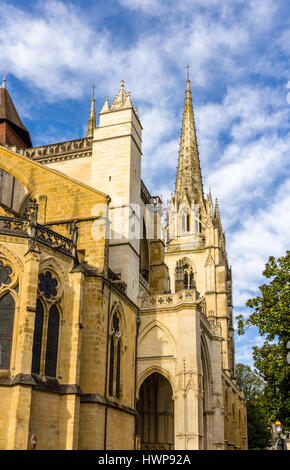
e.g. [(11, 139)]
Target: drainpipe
[(108, 324), (135, 384), (106, 377)]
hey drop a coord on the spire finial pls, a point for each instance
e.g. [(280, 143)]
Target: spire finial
[(187, 73), (93, 87), (122, 84), (216, 210), (92, 118), (4, 81)]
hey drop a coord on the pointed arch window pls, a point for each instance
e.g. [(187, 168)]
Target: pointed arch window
[(184, 275), (197, 221), (7, 311), (184, 220), (111, 373), (179, 276), (188, 222), (37, 338), (46, 327), (5, 272), (191, 280), (118, 369), (115, 356), (185, 280), (49, 344), (52, 342)]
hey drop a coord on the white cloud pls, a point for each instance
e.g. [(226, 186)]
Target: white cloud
[(265, 233), (151, 7), (233, 47), (244, 347), (244, 146)]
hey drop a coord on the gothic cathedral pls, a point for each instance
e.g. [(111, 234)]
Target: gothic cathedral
[(116, 331)]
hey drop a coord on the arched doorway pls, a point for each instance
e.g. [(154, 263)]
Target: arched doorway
[(155, 420)]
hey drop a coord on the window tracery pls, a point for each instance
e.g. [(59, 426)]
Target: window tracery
[(47, 319), (8, 297), (5, 272), (7, 311), (47, 285), (116, 337), (184, 275)]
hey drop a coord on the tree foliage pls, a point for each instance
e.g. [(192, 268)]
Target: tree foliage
[(259, 429), (271, 315), (248, 382)]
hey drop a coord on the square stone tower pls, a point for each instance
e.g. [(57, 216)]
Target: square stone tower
[(116, 169)]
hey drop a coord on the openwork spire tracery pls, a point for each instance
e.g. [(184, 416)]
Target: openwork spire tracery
[(188, 178)]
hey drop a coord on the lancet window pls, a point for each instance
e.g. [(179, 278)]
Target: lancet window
[(8, 297), (184, 276), (46, 326), (115, 360)]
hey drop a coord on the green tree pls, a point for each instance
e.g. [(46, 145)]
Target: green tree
[(271, 315), (259, 429)]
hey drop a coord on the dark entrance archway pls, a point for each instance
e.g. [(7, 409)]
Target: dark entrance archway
[(155, 420)]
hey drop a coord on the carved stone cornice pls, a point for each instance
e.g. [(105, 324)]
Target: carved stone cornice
[(190, 296), (197, 245), (69, 150)]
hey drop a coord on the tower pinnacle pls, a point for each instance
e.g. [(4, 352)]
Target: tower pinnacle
[(187, 73), (188, 178), (4, 81), (92, 118)]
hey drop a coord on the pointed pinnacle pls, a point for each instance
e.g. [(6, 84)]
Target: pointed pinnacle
[(92, 119), (216, 209), (4, 81), (128, 102), (105, 107)]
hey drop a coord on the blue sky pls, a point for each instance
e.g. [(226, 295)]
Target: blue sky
[(53, 51)]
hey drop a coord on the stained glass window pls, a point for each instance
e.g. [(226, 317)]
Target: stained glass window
[(111, 372), (185, 281), (115, 356), (52, 342), (37, 338), (118, 369), (47, 285), (116, 322), (191, 280), (5, 272), (7, 309)]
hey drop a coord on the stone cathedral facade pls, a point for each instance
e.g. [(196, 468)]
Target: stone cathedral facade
[(114, 333)]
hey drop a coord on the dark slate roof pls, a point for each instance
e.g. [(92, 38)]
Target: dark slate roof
[(8, 113), (8, 110)]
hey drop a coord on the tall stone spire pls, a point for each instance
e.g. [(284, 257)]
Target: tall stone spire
[(188, 178), (92, 118)]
